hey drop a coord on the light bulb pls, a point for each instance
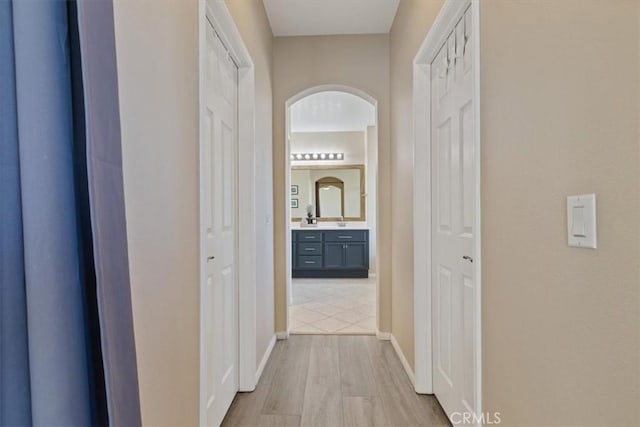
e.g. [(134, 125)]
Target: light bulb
[(323, 156), (315, 156), (299, 156), (293, 157), (339, 155), (307, 156), (331, 156)]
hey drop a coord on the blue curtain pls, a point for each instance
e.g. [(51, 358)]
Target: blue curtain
[(67, 353)]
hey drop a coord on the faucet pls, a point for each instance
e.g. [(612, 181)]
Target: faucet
[(342, 223)]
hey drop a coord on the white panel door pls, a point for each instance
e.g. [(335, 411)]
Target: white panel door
[(221, 294), (453, 214)]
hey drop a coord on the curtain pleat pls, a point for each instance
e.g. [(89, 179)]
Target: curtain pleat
[(95, 361), (60, 391), (67, 349), (106, 189), (15, 400)]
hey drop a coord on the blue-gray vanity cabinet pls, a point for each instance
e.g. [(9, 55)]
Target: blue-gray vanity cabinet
[(330, 253)]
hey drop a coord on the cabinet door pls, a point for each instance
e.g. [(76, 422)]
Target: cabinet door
[(355, 255), (294, 252), (333, 255)]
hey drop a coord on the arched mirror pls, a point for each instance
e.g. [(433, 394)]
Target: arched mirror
[(329, 197)]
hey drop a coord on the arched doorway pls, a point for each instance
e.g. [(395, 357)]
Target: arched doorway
[(330, 105)]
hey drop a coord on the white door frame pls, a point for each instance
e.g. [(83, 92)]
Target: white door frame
[(216, 12), (287, 189), (452, 11)]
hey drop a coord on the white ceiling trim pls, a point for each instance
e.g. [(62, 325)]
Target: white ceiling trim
[(330, 17)]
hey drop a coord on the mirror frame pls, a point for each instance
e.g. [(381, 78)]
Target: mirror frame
[(362, 216)]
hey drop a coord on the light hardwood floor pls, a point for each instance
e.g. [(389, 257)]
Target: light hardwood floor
[(333, 381)]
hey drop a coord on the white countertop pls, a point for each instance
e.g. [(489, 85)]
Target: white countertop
[(332, 226)]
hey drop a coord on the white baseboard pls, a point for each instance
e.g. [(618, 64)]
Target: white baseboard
[(384, 336), (282, 335), (265, 358), (403, 359)]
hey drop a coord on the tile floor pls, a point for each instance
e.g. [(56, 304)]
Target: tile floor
[(333, 306)]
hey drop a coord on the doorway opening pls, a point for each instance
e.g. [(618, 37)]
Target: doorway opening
[(331, 186)]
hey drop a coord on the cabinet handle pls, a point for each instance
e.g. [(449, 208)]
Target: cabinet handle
[(309, 237), (310, 249), (309, 262), (345, 237)]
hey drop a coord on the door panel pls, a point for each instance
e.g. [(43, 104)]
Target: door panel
[(355, 255), (333, 255), (220, 159), (453, 177)]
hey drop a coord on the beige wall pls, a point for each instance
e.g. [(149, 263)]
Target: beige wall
[(251, 20), (300, 63), (561, 342), (157, 49), (410, 26)]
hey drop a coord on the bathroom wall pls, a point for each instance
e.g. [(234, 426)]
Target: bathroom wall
[(351, 144)]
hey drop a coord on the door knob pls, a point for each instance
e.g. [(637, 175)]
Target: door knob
[(210, 258), (468, 258)]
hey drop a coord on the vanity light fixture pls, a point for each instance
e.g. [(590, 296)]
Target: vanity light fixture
[(317, 156)]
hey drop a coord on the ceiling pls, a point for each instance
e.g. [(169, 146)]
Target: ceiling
[(329, 17), (332, 112)]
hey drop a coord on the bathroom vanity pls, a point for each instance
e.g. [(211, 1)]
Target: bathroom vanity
[(330, 253)]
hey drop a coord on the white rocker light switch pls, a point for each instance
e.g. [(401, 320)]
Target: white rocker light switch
[(581, 221)]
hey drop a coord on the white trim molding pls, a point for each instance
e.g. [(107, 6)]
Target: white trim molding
[(403, 360), (383, 336), (282, 335), (452, 11), (216, 12), (265, 358)]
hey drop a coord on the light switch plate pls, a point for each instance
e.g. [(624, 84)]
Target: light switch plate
[(581, 221)]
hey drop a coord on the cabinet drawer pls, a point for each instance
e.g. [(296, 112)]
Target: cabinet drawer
[(305, 261), (309, 248), (308, 236), (346, 236)]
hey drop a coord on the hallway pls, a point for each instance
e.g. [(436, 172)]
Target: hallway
[(325, 380)]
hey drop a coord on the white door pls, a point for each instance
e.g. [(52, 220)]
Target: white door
[(220, 204), (453, 214)]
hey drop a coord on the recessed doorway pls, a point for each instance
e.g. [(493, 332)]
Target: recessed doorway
[(331, 157)]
